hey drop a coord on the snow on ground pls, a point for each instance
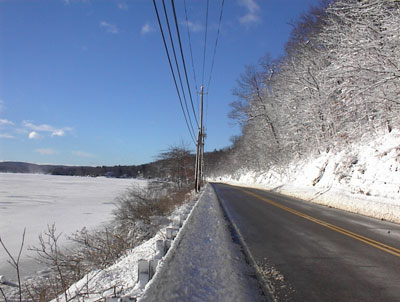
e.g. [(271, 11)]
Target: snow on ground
[(206, 265), (203, 264), (122, 276), (364, 178), (119, 278), (35, 201)]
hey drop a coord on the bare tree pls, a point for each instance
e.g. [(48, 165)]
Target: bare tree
[(178, 164), (338, 80), (49, 254), (14, 262)]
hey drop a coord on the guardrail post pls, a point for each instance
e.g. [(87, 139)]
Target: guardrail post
[(160, 249), (143, 272), (172, 233), (167, 245), (153, 267)]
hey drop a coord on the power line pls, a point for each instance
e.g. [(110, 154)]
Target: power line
[(187, 113), (183, 60), (180, 87), (172, 70), (216, 44), (214, 54), (177, 67), (191, 51), (205, 44)]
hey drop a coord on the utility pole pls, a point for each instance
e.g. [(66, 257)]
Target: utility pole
[(198, 180)]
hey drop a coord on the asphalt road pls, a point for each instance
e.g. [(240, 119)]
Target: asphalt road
[(308, 252)]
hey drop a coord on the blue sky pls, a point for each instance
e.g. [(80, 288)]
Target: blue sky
[(87, 82)]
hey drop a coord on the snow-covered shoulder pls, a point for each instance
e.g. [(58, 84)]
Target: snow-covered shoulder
[(121, 278), (206, 264), (116, 279), (203, 264), (364, 178)]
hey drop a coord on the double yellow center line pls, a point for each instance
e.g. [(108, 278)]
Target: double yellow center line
[(369, 241)]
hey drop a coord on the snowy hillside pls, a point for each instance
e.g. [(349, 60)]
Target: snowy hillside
[(364, 178)]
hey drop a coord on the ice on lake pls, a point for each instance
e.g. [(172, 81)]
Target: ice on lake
[(34, 201)]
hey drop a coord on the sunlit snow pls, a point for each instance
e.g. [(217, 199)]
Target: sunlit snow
[(364, 178), (203, 264), (33, 201)]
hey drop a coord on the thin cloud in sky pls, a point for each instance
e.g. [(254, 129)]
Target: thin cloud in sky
[(58, 132), (146, 28), (34, 135), (5, 122), (46, 151), (251, 5), (21, 131), (46, 128), (252, 15), (4, 135), (194, 26), (43, 127), (122, 6), (68, 2), (249, 18), (109, 27), (82, 154)]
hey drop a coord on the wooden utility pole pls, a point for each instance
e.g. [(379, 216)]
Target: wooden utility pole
[(198, 180)]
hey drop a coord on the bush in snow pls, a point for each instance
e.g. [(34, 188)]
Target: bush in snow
[(139, 214), (137, 210)]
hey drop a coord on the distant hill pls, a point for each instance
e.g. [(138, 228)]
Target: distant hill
[(157, 169), (20, 167), (150, 170), (115, 171)]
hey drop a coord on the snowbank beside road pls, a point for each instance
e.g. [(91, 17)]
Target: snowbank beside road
[(121, 278), (364, 178), (203, 264), (206, 265)]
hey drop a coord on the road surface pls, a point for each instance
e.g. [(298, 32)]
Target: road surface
[(308, 252)]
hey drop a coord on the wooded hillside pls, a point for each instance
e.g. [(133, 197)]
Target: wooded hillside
[(339, 80)]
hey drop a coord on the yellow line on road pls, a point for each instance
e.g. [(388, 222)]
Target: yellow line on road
[(369, 241)]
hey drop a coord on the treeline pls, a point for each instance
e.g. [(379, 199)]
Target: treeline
[(175, 164), (338, 81), (21, 167), (146, 170), (113, 171)]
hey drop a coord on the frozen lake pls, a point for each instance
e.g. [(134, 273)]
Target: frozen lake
[(33, 201)]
